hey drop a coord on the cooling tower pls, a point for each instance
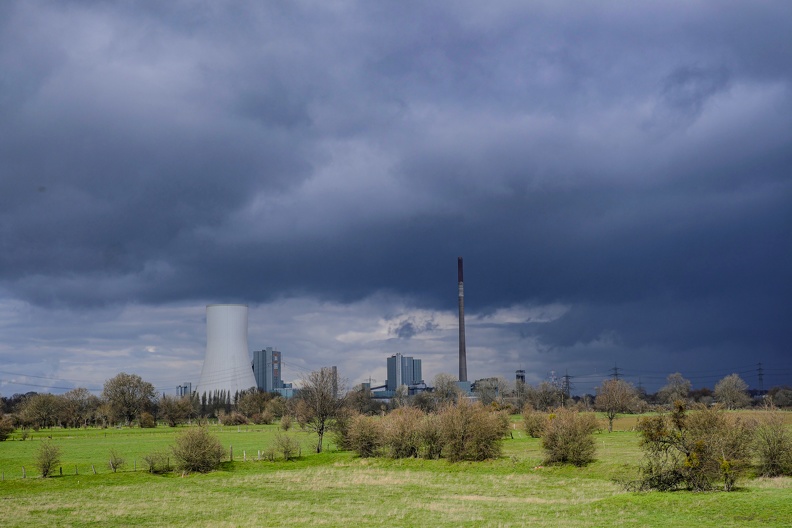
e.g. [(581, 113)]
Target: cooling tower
[(226, 364)]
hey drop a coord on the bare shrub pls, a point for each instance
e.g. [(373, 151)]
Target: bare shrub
[(286, 422), (233, 418), (693, 451), (269, 453), (772, 445), (156, 462), (534, 422), (287, 446), (568, 437), (365, 435), (470, 431), (197, 450), (401, 432), (6, 427), (340, 427), (431, 433), (115, 461), (147, 421), (48, 457)]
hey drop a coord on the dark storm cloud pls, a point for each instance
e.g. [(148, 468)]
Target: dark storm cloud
[(629, 161)]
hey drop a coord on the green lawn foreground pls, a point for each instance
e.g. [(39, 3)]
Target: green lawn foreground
[(339, 489)]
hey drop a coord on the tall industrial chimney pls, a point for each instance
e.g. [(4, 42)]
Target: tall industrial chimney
[(226, 364), (462, 351)]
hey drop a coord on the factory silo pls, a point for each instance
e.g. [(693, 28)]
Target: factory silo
[(226, 364)]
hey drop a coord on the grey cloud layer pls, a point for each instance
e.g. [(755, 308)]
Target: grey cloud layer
[(632, 161)]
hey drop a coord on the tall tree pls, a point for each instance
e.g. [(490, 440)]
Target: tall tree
[(445, 388), (676, 388), (175, 411), (491, 390), (41, 410), (78, 407), (615, 396), (128, 395), (318, 402), (732, 392)]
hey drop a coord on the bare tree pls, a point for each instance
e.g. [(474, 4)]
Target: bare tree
[(128, 395), (253, 402), (41, 410), (491, 390), (445, 388), (318, 402), (78, 406), (732, 392), (615, 396), (175, 411), (677, 388), (545, 396)]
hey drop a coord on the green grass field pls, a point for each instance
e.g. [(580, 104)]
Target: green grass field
[(338, 489)]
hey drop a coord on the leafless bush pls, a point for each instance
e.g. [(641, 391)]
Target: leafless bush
[(157, 462), (772, 445), (287, 446), (401, 432), (340, 427), (115, 461), (48, 457), (6, 427), (567, 438), (233, 418), (269, 453), (147, 421), (430, 429), (534, 422), (197, 450), (286, 422), (364, 435), (262, 418), (470, 431), (693, 450)]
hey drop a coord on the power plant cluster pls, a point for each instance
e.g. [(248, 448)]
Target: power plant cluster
[(228, 369)]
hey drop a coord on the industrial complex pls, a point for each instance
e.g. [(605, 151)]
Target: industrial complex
[(228, 368)]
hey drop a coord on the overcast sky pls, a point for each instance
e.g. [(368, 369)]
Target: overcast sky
[(616, 175)]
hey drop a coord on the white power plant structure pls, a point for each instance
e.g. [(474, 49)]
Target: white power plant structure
[(226, 365)]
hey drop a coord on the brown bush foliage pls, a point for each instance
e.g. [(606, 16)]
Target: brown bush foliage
[(534, 422), (470, 431), (365, 435), (197, 450), (6, 427), (772, 445), (401, 432), (568, 437), (48, 457), (693, 450)]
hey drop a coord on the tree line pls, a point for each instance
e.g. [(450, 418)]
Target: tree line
[(127, 399)]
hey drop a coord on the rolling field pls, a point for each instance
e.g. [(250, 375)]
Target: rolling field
[(338, 489)]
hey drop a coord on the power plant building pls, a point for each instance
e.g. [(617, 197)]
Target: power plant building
[(267, 365), (403, 370), (227, 362)]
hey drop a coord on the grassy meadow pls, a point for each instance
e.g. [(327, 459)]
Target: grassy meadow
[(338, 489)]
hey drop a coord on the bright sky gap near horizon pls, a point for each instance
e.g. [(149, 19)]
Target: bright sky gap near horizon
[(617, 177)]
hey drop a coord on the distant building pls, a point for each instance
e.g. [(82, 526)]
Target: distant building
[(403, 370), (226, 367), (267, 365), (521, 376), (184, 390)]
